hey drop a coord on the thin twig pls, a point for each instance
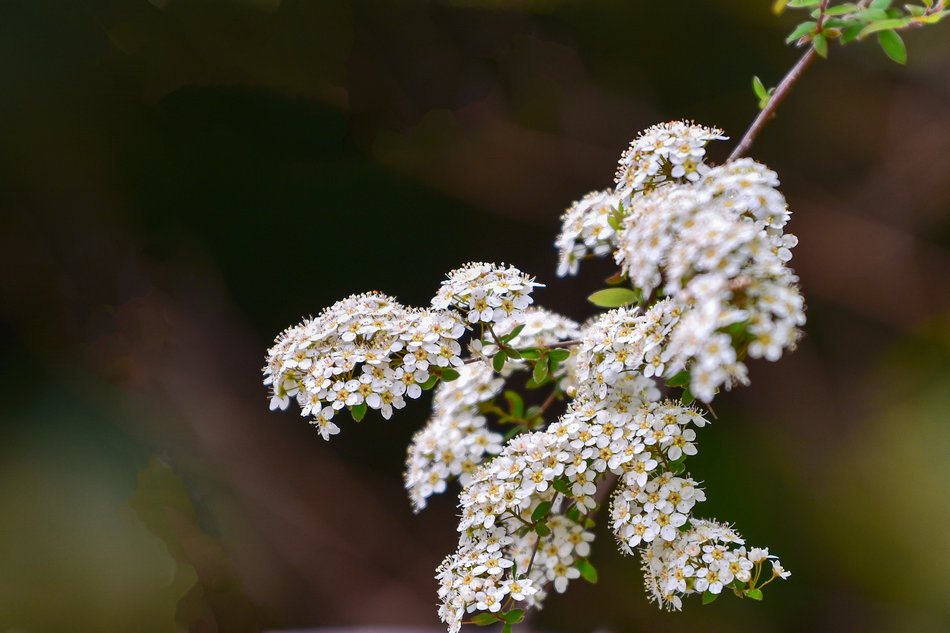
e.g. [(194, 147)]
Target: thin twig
[(769, 110)]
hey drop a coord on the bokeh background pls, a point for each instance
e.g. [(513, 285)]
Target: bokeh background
[(182, 179)]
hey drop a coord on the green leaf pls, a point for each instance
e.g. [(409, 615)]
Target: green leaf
[(358, 411), (934, 18), (530, 353), (587, 571), (540, 372), (514, 616), (574, 514), (800, 4), (613, 297), (759, 89), (679, 379), (893, 45), (617, 278), (515, 332), (561, 486), (677, 466), (851, 33), (884, 25), (541, 511), (820, 42), (542, 529), (688, 398), (800, 31), (841, 9), (448, 375), (506, 628), (755, 594), (532, 412), (430, 383), (498, 362), (511, 352), (870, 15), (560, 355), (708, 597), (515, 403), (484, 619), (880, 4), (613, 221)]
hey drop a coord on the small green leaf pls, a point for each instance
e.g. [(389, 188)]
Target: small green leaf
[(561, 486), (679, 379), (514, 616), (511, 352), (498, 362), (755, 594), (613, 221), (893, 45), (800, 4), (884, 25), (880, 4), (484, 619), (541, 511), (687, 397), (800, 31), (587, 571), (677, 466), (515, 404), (708, 597), (613, 297), (540, 371), (759, 88), (933, 18), (506, 628), (851, 33), (358, 411), (560, 355), (532, 412), (820, 42), (574, 514), (542, 529), (618, 278), (841, 9), (430, 383), (530, 353), (515, 332), (448, 375)]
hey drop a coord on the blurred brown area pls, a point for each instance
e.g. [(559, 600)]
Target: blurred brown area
[(183, 179)]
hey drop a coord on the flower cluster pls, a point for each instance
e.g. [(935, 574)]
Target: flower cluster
[(514, 503), (588, 229), (717, 249), (364, 351), (663, 154), (456, 440), (705, 252), (486, 293), (706, 558)]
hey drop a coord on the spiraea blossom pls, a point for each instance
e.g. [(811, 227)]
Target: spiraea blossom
[(486, 293), (705, 253), (366, 350), (706, 558), (456, 438), (666, 153), (588, 229)]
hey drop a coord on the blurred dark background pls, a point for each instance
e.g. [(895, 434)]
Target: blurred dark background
[(182, 179)]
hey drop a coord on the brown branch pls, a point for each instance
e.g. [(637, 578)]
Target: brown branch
[(769, 110)]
